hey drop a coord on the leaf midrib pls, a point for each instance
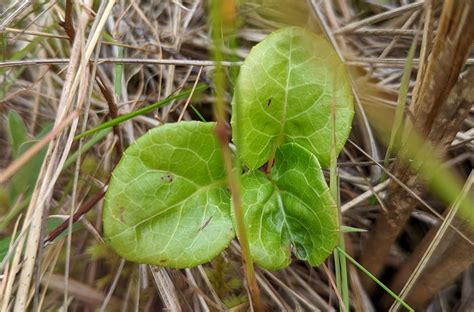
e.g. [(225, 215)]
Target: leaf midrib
[(177, 204), (285, 103), (281, 207)]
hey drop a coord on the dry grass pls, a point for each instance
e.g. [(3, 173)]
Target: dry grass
[(49, 76)]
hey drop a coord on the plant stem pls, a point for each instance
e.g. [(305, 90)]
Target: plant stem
[(221, 131), (339, 261), (234, 185)]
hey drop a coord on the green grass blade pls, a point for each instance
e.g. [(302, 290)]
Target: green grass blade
[(139, 112), (198, 113), (401, 102), (339, 261), (86, 146), (3, 47), (118, 74), (360, 267)]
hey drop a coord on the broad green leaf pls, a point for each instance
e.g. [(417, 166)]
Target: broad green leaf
[(292, 205), (167, 202), (284, 93)]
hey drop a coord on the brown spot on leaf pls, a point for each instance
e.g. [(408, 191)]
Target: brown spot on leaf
[(168, 178), (205, 224), (269, 102), (121, 213)]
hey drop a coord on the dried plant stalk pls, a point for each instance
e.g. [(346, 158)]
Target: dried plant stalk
[(433, 118)]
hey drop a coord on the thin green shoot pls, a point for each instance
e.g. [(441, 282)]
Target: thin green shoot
[(139, 112), (86, 146), (118, 70), (339, 261), (109, 39), (390, 292), (218, 30), (401, 103), (198, 113), (3, 46), (351, 229)]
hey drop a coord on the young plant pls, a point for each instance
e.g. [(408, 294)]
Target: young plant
[(168, 201)]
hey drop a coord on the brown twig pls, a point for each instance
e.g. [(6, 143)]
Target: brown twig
[(77, 215), (68, 26), (113, 110), (434, 119), (112, 60), (67, 23)]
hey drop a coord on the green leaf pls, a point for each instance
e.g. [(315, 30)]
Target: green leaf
[(291, 206), (284, 94), (351, 229), (17, 132), (167, 202), (24, 180)]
